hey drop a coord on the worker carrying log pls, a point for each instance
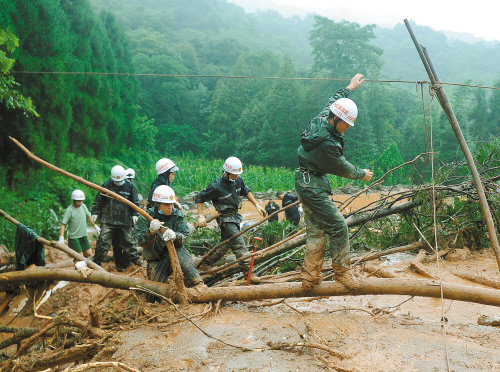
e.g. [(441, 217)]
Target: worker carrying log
[(225, 195), (321, 153), (117, 220), (149, 237), (74, 217)]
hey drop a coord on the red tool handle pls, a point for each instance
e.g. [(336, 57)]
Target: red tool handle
[(253, 258)]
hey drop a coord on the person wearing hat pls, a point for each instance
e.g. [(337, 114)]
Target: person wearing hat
[(149, 237), (165, 170), (76, 217), (322, 152), (117, 220), (225, 193)]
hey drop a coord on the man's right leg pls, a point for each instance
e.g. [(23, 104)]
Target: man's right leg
[(315, 252), (103, 243)]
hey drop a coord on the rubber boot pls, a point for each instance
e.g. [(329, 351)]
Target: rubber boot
[(345, 276)]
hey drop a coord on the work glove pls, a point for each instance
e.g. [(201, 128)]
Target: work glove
[(98, 229), (134, 219), (202, 221), (301, 211), (94, 217), (260, 210), (169, 234), (61, 240), (178, 206), (82, 267), (191, 228), (154, 226)]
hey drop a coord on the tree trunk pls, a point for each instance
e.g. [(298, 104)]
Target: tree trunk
[(424, 288)]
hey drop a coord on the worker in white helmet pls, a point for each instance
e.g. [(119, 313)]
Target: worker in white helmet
[(225, 194), (75, 217), (117, 220), (149, 237), (321, 153), (166, 170)]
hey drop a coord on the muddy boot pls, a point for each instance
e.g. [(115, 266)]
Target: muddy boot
[(309, 283), (346, 277), (200, 286), (205, 267)]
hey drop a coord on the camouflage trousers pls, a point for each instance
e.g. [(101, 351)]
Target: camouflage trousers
[(124, 249), (237, 245), (160, 270), (322, 218)]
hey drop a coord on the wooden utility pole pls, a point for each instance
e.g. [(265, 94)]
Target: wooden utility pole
[(446, 105)]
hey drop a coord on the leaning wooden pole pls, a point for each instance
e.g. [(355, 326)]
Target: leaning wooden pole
[(177, 272), (446, 105)]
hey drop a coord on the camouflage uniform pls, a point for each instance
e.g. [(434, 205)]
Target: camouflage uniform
[(156, 253), (292, 214), (116, 220), (226, 198), (321, 153)]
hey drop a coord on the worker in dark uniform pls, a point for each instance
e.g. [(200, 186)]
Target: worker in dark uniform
[(117, 220), (225, 194), (292, 214), (155, 251), (321, 153), (270, 208), (165, 169)]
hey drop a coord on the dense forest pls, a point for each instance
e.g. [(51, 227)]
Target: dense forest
[(224, 102)]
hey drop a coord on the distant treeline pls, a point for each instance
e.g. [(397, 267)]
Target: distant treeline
[(139, 119)]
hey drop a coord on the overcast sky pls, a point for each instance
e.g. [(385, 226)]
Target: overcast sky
[(479, 18)]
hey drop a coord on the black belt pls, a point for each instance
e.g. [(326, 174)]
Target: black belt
[(305, 170)]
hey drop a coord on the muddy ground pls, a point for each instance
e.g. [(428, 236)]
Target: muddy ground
[(378, 333), (410, 338)]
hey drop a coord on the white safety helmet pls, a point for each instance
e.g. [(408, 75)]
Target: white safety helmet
[(118, 173), (346, 110), (77, 195), (164, 194), (130, 173), (164, 165), (233, 165)]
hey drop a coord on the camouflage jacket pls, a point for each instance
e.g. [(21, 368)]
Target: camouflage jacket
[(322, 151), (114, 212), (154, 247), (226, 197)]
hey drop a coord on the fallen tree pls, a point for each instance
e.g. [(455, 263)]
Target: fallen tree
[(409, 287)]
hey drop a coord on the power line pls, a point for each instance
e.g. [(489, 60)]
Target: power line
[(129, 74)]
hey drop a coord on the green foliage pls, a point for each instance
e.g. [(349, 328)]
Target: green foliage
[(343, 47), (9, 95)]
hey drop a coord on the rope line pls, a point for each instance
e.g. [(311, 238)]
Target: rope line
[(436, 248), (129, 74)]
